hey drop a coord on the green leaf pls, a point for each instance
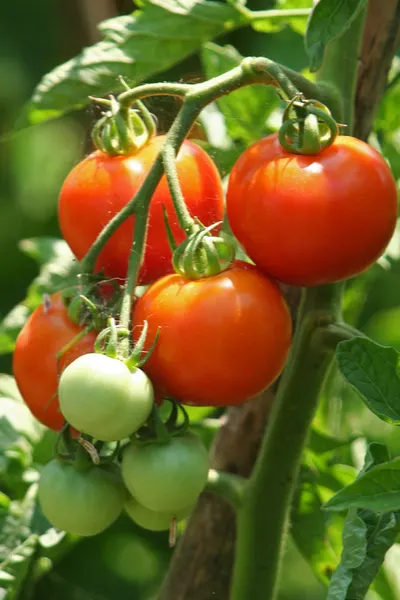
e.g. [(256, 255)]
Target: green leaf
[(8, 387), (373, 371), (381, 535), (137, 46), (246, 110), (317, 537), (377, 489), (328, 21), (18, 543), (353, 555), (57, 267)]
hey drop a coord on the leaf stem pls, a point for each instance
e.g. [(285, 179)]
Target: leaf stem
[(228, 486), (276, 14)]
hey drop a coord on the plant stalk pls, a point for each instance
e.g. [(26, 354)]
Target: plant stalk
[(264, 517)]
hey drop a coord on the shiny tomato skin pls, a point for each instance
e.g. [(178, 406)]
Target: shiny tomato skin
[(222, 339), (100, 185), (44, 334), (82, 502), (312, 220)]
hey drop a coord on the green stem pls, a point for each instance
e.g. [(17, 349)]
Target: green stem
[(135, 261), (276, 14), (263, 518), (153, 89), (169, 160), (332, 335), (228, 486)]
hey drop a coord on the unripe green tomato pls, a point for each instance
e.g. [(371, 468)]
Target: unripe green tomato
[(166, 477), (101, 397), (83, 502), (152, 520)]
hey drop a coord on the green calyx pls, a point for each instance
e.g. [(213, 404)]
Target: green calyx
[(308, 127), (160, 432), (109, 342), (203, 254), (122, 130)]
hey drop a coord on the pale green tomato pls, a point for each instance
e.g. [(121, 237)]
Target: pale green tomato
[(150, 519), (166, 477), (83, 502), (101, 397)]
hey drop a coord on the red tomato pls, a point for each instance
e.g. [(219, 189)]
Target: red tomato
[(35, 364), (99, 186), (311, 220), (223, 339)]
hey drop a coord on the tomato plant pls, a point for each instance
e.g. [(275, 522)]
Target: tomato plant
[(222, 340), (310, 220), (166, 477), (83, 502), (99, 186), (44, 334), (150, 519), (101, 397)]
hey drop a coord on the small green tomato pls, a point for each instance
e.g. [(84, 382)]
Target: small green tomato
[(152, 520), (100, 396)]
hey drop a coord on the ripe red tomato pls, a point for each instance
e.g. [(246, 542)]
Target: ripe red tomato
[(44, 334), (311, 220), (223, 339), (99, 186)]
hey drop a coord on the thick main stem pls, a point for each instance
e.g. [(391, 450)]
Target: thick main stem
[(263, 518)]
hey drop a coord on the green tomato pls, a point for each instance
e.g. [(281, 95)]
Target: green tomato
[(150, 519), (166, 477), (83, 502), (101, 397)]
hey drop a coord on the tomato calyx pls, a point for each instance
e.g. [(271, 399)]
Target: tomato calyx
[(82, 451), (158, 431), (122, 130), (109, 339), (203, 254), (307, 127)]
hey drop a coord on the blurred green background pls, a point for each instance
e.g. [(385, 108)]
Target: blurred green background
[(126, 562)]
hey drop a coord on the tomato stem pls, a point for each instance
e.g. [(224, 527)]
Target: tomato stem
[(187, 223), (228, 486), (263, 518)]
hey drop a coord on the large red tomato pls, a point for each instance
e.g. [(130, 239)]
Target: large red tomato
[(311, 220), (222, 340), (99, 186), (45, 333)]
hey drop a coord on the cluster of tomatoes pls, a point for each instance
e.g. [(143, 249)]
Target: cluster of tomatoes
[(303, 220)]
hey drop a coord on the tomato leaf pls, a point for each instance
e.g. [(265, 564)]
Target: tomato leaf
[(373, 371), (378, 489), (17, 542), (329, 20), (367, 536), (246, 110), (137, 46), (57, 266)]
